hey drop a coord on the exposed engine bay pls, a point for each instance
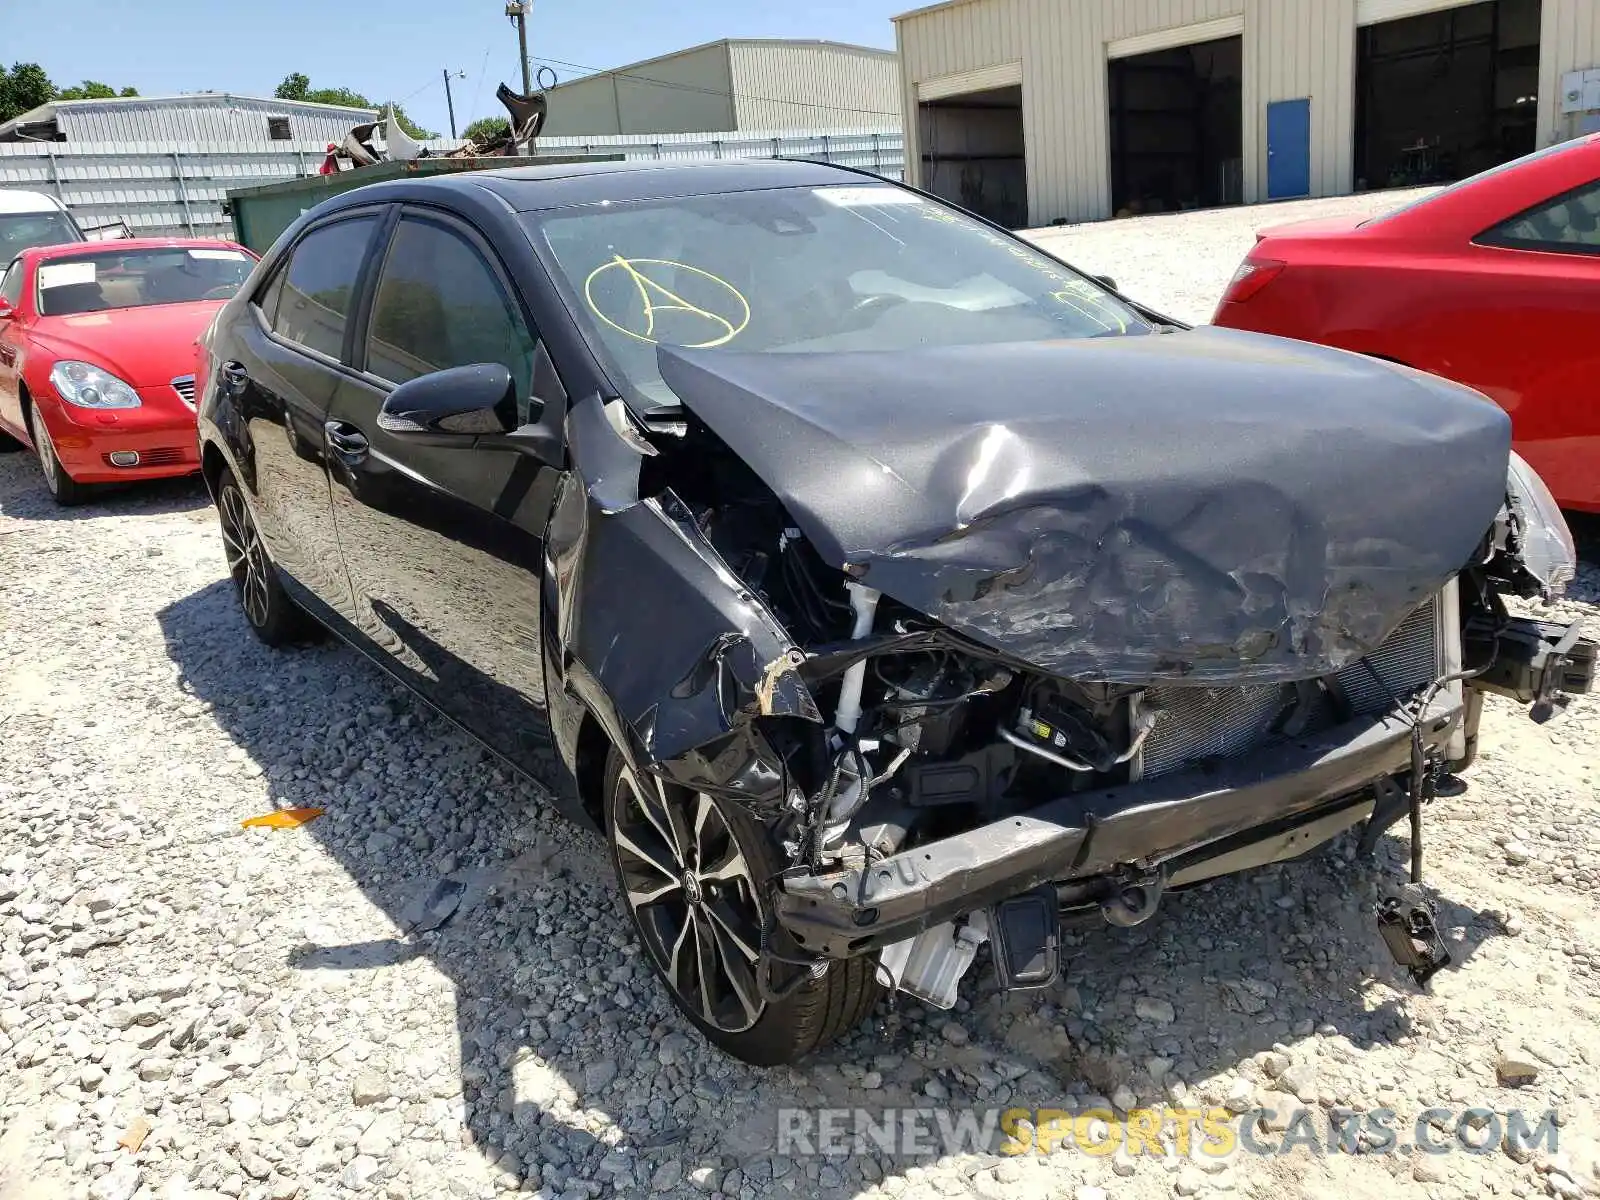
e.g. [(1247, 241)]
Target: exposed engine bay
[(929, 735)]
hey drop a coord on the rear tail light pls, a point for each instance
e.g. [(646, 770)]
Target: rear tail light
[(1253, 275)]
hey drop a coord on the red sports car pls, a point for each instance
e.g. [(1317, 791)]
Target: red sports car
[(1493, 282), (97, 355)]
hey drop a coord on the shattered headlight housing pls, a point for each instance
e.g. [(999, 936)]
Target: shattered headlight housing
[(1541, 541)]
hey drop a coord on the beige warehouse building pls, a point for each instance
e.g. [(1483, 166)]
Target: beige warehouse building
[(735, 84), (1034, 111)]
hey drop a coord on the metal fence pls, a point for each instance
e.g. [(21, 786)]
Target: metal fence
[(162, 190)]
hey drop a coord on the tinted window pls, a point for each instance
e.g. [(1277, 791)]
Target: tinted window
[(439, 305), (820, 270), (267, 299), (319, 285), (1568, 224), (107, 279), (21, 231), (11, 285)]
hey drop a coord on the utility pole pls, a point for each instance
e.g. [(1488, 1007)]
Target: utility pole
[(448, 99), (518, 11)]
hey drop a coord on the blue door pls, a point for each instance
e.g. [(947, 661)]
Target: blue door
[(1288, 149)]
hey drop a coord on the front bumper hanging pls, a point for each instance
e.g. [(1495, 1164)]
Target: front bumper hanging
[(1317, 782)]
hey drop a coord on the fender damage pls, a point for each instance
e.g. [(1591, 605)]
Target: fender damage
[(967, 625)]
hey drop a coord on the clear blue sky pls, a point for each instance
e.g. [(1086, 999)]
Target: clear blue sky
[(395, 48)]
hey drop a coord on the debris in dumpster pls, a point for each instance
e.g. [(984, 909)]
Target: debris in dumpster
[(283, 818)]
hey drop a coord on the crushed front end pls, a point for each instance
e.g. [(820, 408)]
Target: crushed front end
[(978, 663), (976, 800)]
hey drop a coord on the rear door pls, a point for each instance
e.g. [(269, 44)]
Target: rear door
[(444, 544), (1535, 331), (282, 360)]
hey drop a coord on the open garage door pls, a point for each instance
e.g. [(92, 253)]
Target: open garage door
[(1443, 95), (973, 152), (1177, 128)]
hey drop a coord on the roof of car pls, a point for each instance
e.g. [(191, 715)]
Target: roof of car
[(527, 189), (121, 245), (15, 201)]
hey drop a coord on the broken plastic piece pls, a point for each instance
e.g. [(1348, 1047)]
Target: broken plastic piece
[(138, 1129), (1410, 930), (283, 818), (930, 965), (1025, 932)]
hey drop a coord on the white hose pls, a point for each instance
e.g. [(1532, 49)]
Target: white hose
[(864, 602)]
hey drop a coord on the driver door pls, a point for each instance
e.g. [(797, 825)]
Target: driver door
[(10, 351), (444, 544)]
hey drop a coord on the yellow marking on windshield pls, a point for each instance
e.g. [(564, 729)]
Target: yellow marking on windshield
[(1100, 315), (655, 297)]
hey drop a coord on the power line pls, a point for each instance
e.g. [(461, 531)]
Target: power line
[(483, 68), (689, 87)]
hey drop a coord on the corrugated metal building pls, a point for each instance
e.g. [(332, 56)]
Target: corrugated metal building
[(1035, 111), (735, 84), (205, 117)]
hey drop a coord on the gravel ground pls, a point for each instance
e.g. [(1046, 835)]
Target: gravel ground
[(255, 1014), (1141, 252)]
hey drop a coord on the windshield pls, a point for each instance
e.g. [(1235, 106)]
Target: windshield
[(112, 279), (23, 231), (815, 270)]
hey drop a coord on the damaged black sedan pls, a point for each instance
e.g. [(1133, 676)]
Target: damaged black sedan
[(880, 585)]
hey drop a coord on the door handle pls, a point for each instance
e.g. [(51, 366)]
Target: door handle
[(345, 438), (234, 377)]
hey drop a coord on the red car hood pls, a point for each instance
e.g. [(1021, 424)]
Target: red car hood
[(1316, 227), (144, 347)]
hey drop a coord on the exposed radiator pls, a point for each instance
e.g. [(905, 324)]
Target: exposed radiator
[(1225, 722)]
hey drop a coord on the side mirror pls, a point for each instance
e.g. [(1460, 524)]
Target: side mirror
[(6, 311), (1106, 282), (453, 406)]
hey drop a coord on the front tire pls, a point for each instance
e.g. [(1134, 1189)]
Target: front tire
[(64, 489), (693, 871), (271, 614)]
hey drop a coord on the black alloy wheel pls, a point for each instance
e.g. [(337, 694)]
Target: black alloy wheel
[(693, 870), (271, 614), (693, 900)]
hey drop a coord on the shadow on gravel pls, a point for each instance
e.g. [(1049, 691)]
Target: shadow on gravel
[(23, 495), (553, 1002)]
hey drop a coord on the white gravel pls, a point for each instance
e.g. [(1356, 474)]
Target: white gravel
[(1179, 263), (253, 998)]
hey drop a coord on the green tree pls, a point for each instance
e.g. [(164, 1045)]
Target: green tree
[(93, 89), (488, 130), (294, 87), (297, 86), (23, 87)]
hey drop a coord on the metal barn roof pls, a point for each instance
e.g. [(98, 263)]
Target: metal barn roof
[(197, 117)]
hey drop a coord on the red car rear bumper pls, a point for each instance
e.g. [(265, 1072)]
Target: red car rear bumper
[(161, 432)]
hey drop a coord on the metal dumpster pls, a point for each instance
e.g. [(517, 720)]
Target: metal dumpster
[(260, 214)]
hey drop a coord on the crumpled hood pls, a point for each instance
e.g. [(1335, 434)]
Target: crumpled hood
[(1200, 506), (146, 346)]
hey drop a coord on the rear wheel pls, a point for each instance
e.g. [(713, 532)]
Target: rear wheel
[(693, 871), (273, 616), (64, 489)]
